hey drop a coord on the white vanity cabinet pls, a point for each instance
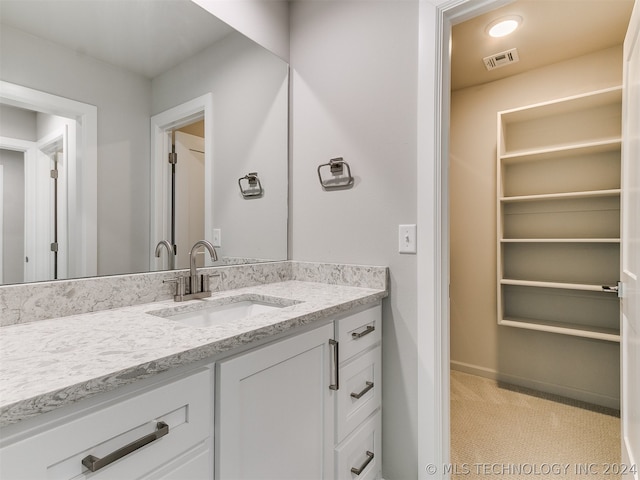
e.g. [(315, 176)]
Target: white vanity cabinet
[(275, 410), (358, 452), (307, 407), (181, 408)]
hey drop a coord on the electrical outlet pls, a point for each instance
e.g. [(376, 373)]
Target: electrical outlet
[(407, 239), (217, 237)]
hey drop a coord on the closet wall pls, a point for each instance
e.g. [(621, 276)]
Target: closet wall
[(582, 368)]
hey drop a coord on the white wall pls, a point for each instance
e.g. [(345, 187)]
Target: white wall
[(18, 123), (250, 107), (354, 94), (123, 100), (572, 366), (267, 23)]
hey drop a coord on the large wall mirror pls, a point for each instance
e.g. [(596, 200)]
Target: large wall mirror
[(97, 101)]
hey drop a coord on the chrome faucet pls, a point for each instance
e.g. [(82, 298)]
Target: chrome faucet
[(195, 285), (194, 278), (170, 254)]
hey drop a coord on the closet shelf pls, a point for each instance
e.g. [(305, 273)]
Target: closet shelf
[(608, 334), (555, 285), (582, 148), (614, 192), (558, 215), (560, 240), (579, 102)]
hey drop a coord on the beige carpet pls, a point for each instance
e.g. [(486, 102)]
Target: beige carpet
[(504, 433)]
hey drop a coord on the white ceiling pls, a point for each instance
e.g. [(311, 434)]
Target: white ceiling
[(144, 36), (151, 36), (551, 31)]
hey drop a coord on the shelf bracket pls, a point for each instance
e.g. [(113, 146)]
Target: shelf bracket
[(613, 289)]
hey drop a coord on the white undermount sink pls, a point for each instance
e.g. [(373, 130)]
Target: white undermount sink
[(209, 316)]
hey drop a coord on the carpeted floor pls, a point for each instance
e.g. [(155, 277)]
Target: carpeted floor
[(503, 432)]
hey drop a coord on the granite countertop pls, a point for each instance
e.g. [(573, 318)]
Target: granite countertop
[(51, 363)]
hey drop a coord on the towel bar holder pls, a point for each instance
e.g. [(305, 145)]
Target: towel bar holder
[(336, 166), (250, 190)]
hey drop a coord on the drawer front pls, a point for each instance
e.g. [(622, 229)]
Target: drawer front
[(360, 391), (57, 453), (359, 457), (359, 331)]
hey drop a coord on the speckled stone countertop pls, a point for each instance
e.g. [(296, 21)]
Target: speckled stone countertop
[(47, 364)]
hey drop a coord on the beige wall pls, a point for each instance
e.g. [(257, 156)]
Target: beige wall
[(576, 367)]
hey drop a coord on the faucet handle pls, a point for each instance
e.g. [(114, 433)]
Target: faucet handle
[(205, 280), (180, 285)]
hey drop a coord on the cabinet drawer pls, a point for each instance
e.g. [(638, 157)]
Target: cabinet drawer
[(359, 456), (57, 453), (360, 391), (358, 331)]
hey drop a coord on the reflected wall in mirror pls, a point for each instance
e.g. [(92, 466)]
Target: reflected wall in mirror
[(134, 60)]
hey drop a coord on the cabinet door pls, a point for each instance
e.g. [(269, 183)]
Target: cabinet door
[(274, 411)]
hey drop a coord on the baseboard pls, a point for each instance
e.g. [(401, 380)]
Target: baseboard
[(552, 388)]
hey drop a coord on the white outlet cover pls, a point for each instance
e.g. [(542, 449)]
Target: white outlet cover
[(407, 239)]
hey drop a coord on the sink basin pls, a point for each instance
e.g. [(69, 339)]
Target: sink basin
[(209, 316)]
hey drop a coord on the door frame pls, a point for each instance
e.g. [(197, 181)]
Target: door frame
[(161, 124), (82, 170), (28, 149), (436, 17), (1, 218), (61, 135)]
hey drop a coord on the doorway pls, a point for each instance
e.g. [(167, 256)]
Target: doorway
[(436, 20), (81, 188), (535, 360), (37, 192), (181, 205), (188, 193)]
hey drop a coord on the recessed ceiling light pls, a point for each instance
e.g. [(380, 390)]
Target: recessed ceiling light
[(503, 26)]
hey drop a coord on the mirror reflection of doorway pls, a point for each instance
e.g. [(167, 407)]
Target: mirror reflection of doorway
[(12, 216), (45, 132), (181, 201), (34, 234), (188, 193)]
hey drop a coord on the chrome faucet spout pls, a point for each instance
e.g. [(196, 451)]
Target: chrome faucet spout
[(193, 273), (171, 256)]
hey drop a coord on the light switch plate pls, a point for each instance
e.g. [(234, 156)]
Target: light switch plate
[(217, 237), (407, 239)]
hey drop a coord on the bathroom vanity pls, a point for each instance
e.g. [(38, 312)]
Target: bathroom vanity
[(138, 392)]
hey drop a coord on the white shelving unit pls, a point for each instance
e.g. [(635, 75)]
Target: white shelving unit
[(558, 201)]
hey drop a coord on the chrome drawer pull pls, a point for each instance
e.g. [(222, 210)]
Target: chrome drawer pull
[(95, 463), (356, 335), (366, 389), (336, 360), (358, 471)]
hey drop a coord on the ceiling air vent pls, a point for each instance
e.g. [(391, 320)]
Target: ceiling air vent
[(501, 59)]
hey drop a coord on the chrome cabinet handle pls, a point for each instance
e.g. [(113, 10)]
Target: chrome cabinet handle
[(336, 361), (358, 471), (369, 329), (95, 463), (369, 386)]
